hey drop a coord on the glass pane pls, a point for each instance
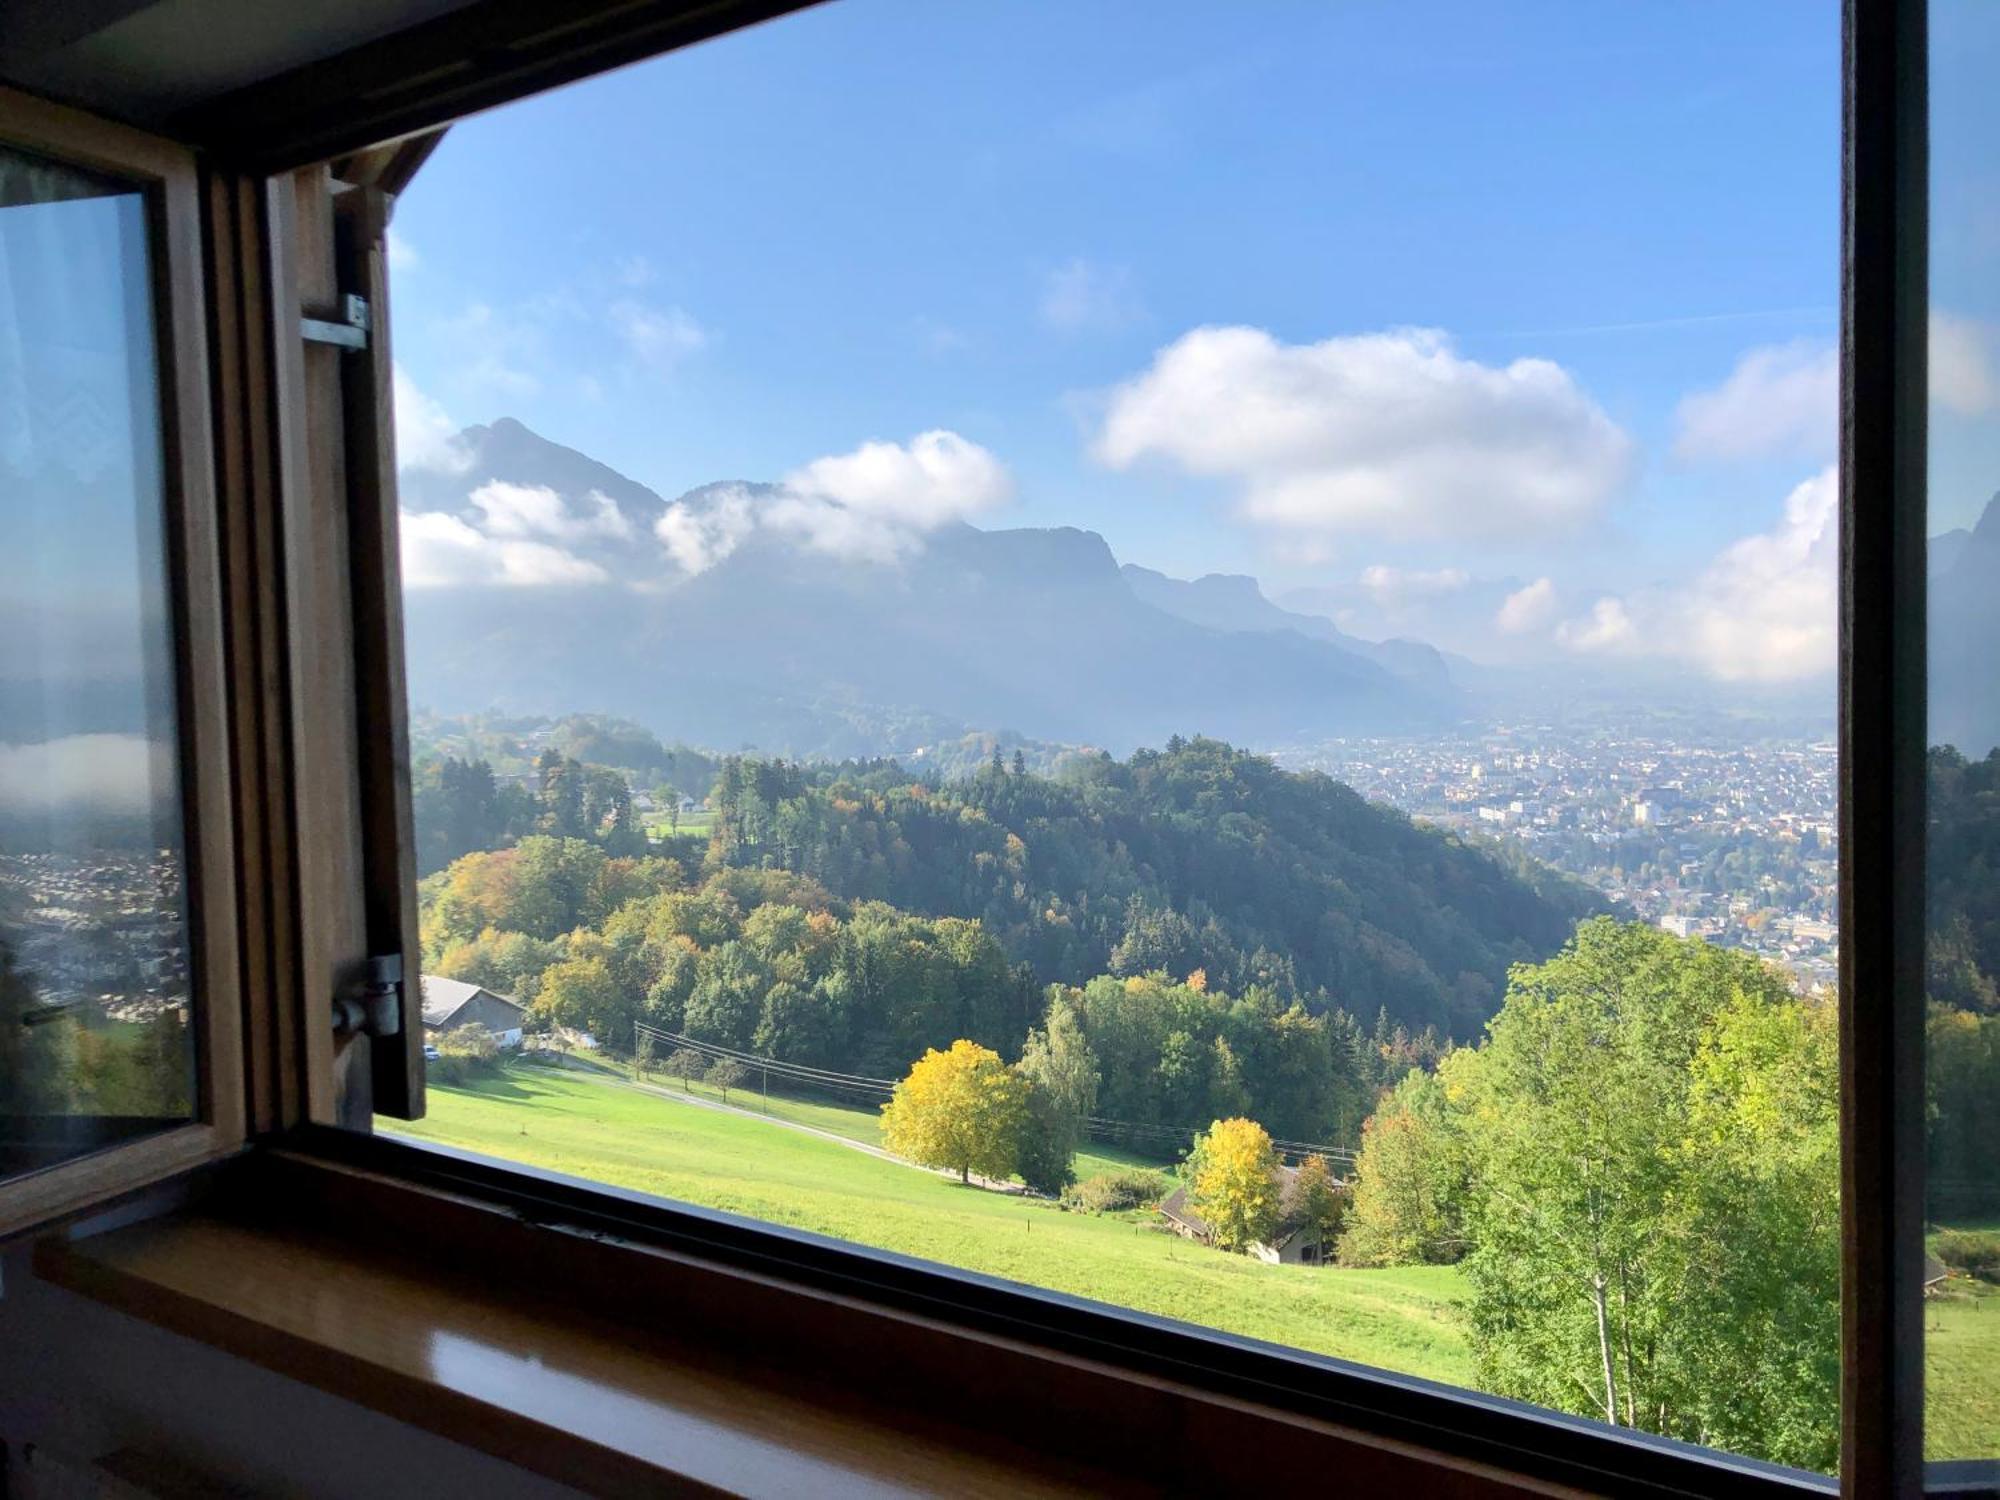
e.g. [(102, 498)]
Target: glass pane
[(1187, 663), (95, 1045), (1962, 1232)]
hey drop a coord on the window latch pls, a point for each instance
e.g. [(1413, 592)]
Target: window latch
[(350, 332), (376, 1007)]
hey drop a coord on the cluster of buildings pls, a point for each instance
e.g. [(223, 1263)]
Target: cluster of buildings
[(1734, 842), (103, 928)]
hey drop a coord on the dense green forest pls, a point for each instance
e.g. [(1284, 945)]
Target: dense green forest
[(1198, 856)]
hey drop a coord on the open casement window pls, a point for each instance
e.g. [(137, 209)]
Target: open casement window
[(199, 677), (120, 992), (207, 405), (325, 228)]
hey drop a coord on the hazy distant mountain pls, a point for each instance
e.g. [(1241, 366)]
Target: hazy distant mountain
[(1965, 636), (1945, 549), (771, 637), (1235, 601), (511, 452)]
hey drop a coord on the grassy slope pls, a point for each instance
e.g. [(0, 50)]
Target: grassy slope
[(863, 1124), (588, 1126), (1962, 1363), (1962, 1372)]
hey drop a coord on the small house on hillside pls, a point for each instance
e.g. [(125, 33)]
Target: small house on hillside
[(1292, 1243), (450, 1004)]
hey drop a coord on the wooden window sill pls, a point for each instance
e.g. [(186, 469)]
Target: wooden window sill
[(626, 1368), (573, 1397)]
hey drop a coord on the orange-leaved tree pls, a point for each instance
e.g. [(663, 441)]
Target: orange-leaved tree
[(962, 1110)]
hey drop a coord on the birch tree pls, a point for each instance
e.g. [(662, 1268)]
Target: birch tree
[(1652, 1203)]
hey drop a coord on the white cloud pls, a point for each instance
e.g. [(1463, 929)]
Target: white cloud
[(1391, 588), (698, 539), (1781, 401), (875, 503), (659, 337), (103, 773), (1962, 373), (828, 526), (1083, 295), (936, 477), (1608, 627), (1385, 434), (1527, 609), (878, 501), (441, 551), (1765, 610), (402, 254), (518, 511), (426, 438)]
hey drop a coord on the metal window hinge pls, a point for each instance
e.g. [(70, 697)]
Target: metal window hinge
[(350, 333), (376, 1007)]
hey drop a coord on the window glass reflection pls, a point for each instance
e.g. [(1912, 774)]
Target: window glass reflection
[(95, 1044), (1962, 1228)]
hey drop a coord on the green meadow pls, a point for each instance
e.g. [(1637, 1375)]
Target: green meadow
[(597, 1126), (593, 1123)]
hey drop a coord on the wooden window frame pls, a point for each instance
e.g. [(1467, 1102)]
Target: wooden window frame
[(166, 173), (497, 50)]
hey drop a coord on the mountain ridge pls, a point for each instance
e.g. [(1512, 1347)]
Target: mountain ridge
[(776, 642)]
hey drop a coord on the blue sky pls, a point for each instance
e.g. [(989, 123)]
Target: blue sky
[(1006, 221)]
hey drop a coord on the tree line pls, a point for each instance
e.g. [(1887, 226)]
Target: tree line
[(461, 806)]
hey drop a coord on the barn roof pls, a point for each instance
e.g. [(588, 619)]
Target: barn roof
[(445, 998)]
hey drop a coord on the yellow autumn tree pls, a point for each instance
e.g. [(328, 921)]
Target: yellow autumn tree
[(962, 1110), (1232, 1177)]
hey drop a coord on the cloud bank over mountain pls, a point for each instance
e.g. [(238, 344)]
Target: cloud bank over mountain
[(848, 608)]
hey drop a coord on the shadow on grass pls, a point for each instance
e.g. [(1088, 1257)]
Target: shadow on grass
[(507, 1083)]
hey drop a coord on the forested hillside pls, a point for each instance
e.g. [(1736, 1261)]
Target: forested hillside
[(1221, 933), (1198, 857)]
